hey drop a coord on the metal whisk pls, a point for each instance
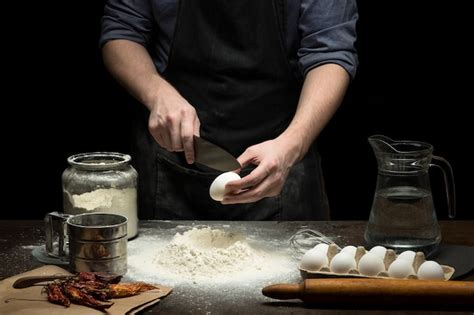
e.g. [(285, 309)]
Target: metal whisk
[(305, 239)]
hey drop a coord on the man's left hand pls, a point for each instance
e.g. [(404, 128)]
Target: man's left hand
[(274, 159)]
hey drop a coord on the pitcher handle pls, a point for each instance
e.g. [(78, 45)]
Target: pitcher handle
[(55, 222), (448, 176)]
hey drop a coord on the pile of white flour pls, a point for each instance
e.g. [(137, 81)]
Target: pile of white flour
[(205, 252), (204, 256)]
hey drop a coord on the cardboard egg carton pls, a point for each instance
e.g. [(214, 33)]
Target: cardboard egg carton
[(388, 259)]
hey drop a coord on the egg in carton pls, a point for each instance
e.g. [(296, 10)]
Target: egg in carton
[(328, 261)]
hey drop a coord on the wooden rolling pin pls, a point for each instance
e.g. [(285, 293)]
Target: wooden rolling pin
[(375, 291)]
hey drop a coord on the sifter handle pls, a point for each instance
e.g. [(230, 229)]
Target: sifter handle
[(55, 224)]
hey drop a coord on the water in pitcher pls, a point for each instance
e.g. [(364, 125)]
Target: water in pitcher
[(402, 218), (403, 215)]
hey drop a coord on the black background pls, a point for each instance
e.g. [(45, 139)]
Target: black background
[(59, 100)]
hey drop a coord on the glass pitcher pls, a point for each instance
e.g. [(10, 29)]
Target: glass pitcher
[(403, 215)]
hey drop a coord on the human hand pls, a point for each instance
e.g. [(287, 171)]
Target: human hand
[(273, 158), (173, 122)]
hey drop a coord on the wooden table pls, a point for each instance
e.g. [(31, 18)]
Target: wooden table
[(18, 238)]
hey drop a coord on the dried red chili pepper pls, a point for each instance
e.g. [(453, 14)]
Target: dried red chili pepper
[(93, 289), (128, 289), (83, 298), (99, 276), (55, 294)]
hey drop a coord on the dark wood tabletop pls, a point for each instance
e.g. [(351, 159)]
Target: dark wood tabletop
[(19, 238)]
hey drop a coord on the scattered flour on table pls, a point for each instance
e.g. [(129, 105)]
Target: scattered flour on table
[(29, 246), (205, 256)]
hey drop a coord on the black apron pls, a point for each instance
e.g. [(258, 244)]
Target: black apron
[(228, 60)]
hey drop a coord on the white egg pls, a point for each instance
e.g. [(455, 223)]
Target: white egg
[(314, 260), (371, 264), (379, 251), (430, 270), (351, 250), (217, 189), (401, 269), (322, 247), (407, 255), (342, 263)]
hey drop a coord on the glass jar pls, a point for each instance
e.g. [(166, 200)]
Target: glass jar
[(101, 182)]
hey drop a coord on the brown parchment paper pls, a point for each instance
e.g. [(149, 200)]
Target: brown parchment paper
[(32, 301)]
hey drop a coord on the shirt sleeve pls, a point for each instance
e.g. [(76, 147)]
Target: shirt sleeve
[(328, 34), (126, 19)]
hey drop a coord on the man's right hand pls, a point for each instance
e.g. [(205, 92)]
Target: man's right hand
[(173, 121)]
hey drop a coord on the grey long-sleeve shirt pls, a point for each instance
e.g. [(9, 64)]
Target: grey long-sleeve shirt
[(318, 31)]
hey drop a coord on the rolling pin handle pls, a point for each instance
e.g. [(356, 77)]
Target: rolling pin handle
[(284, 291)]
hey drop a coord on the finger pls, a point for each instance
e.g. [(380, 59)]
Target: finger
[(174, 129), (165, 136), (254, 194), (159, 139), (245, 158), (187, 131), (197, 126), (156, 132), (238, 170), (253, 179)]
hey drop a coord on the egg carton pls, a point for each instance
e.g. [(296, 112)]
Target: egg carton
[(389, 257)]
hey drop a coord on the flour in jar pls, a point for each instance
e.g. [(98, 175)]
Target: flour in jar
[(112, 200)]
